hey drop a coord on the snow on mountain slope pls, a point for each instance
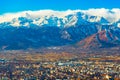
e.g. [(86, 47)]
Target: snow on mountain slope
[(46, 28), (61, 18)]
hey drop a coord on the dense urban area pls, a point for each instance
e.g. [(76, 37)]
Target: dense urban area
[(62, 66)]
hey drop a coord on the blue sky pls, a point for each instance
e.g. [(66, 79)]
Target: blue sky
[(22, 5)]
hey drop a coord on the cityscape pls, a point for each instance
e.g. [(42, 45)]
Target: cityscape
[(67, 67), (59, 40)]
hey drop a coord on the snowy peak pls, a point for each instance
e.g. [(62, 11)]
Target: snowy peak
[(61, 18), (94, 28)]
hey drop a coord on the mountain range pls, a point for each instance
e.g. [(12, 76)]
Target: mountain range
[(86, 29)]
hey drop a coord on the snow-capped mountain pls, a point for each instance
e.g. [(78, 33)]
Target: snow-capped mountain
[(46, 28), (61, 18)]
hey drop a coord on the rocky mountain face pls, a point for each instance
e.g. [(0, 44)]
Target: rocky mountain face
[(18, 38), (49, 28), (102, 39)]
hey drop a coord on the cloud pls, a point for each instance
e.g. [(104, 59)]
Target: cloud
[(112, 15)]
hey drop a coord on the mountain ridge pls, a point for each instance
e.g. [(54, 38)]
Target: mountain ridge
[(62, 18), (79, 27)]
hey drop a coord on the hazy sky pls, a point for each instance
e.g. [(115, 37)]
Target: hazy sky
[(22, 5)]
